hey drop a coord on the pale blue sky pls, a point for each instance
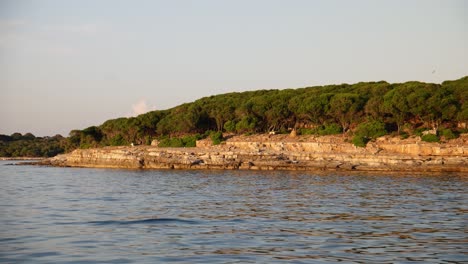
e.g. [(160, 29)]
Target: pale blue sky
[(72, 64)]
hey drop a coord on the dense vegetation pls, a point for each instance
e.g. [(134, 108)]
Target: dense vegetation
[(364, 110), (27, 145)]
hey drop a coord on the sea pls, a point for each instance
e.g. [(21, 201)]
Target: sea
[(81, 215)]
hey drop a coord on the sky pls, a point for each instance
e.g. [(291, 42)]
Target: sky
[(72, 64)]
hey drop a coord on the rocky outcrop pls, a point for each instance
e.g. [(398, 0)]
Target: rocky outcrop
[(413, 149), (277, 155)]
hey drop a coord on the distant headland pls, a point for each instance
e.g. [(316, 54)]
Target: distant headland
[(358, 116)]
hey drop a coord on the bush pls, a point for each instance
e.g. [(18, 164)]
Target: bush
[(171, 143), (117, 140), (230, 126), (430, 138), (186, 141), (305, 131), (247, 124), (190, 141), (448, 134), (216, 137), (371, 129), (329, 129), (360, 141), (419, 131), (368, 131)]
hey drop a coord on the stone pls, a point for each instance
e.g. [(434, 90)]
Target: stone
[(281, 154)]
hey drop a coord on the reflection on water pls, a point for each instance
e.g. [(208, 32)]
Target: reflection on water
[(88, 215)]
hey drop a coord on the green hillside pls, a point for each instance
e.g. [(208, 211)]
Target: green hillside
[(365, 110), (401, 107)]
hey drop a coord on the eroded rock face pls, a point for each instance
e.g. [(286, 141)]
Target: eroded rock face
[(277, 155), (413, 149), (121, 157)]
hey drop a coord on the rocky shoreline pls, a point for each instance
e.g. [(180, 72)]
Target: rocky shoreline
[(21, 158), (280, 153)]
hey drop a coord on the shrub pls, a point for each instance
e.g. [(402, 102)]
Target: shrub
[(190, 141), (230, 126), (171, 143), (247, 124), (404, 135), (430, 138), (179, 142), (305, 131), (368, 131), (216, 137), (117, 140), (418, 131), (448, 134), (360, 141), (329, 129), (371, 129)]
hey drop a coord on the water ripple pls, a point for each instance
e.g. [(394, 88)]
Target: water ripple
[(144, 221), (65, 215)]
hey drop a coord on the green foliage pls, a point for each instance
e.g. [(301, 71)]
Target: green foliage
[(419, 131), (28, 145), (190, 141), (360, 141), (216, 137), (305, 131), (463, 113), (430, 138), (371, 129), (117, 140), (329, 129), (346, 108), (179, 142), (247, 124), (368, 131), (448, 134), (333, 109), (230, 126), (171, 143)]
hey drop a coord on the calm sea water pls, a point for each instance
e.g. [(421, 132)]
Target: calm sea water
[(66, 215)]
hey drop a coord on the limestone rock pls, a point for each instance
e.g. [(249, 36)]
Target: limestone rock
[(271, 154)]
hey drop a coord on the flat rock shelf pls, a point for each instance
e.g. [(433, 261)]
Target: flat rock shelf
[(277, 154)]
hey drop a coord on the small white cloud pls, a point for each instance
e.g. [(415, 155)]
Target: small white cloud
[(140, 107)]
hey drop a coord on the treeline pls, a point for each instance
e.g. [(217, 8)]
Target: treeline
[(402, 108), (364, 110), (28, 145)]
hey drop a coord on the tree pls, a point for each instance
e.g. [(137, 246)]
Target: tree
[(396, 103), (345, 108), (247, 124), (230, 126)]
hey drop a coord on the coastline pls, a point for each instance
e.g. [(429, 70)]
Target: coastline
[(22, 158), (280, 153)]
